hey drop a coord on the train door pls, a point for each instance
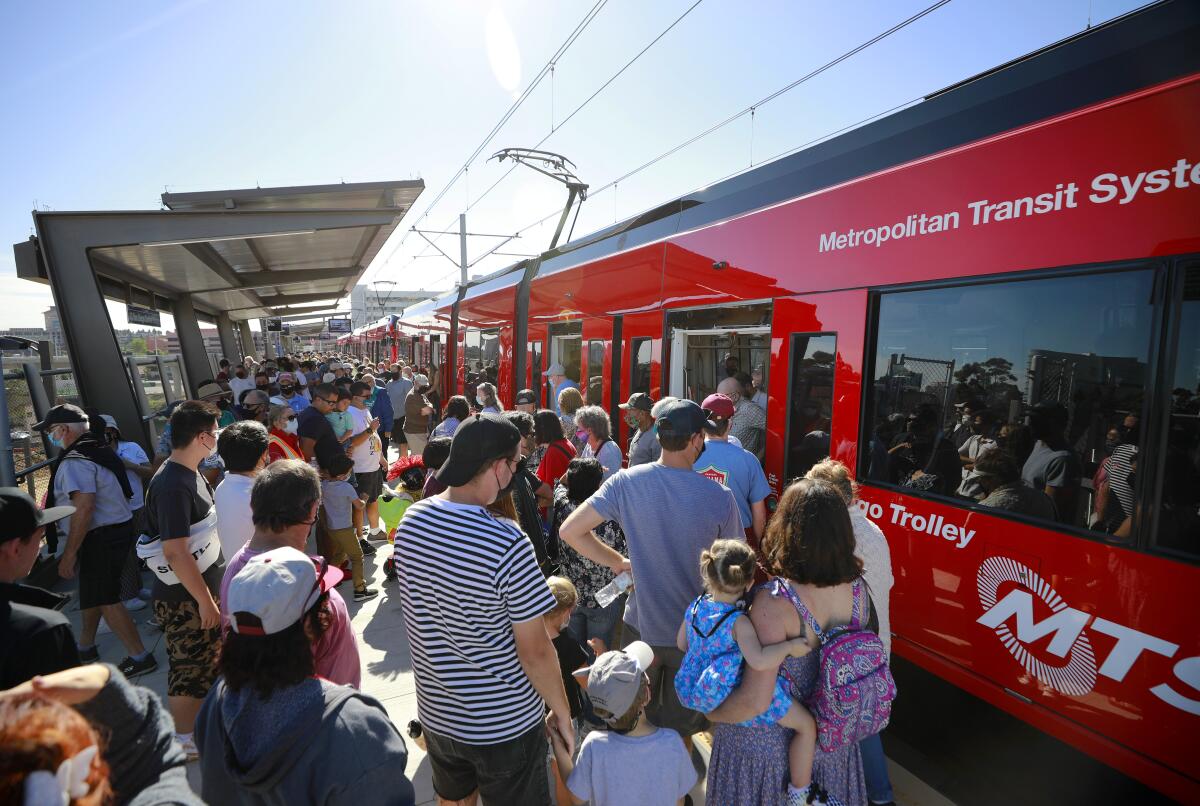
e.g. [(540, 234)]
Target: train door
[(566, 349), (815, 391), (708, 345), (597, 356), (534, 366)]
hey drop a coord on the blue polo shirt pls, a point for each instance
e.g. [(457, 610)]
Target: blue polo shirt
[(737, 469)]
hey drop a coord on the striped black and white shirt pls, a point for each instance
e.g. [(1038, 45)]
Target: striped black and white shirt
[(465, 579)]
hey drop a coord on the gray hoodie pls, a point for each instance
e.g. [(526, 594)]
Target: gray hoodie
[(317, 743)]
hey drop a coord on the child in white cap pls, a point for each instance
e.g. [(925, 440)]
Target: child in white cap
[(632, 761)]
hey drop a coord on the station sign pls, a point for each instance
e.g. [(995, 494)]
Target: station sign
[(274, 324), (337, 325), (137, 315)]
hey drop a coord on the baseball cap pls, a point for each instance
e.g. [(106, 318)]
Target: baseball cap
[(420, 380), (60, 414), (718, 405), (556, 369), (110, 422), (20, 514), (276, 588), (208, 390), (285, 376), (525, 397), (615, 679), (682, 418), (478, 440), (638, 400)]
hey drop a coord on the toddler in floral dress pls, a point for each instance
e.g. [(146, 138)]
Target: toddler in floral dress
[(717, 636)]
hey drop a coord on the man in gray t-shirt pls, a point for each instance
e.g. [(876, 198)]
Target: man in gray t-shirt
[(669, 514), (643, 446)]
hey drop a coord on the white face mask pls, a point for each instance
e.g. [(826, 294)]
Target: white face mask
[(292, 426), (213, 451)]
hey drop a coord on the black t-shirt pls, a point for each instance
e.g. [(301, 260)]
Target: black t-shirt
[(311, 424), (571, 656), (35, 640), (176, 498), (525, 502)]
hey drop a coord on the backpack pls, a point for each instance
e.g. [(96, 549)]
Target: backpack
[(855, 689)]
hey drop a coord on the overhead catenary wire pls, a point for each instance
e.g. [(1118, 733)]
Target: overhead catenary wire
[(750, 109), (537, 79)]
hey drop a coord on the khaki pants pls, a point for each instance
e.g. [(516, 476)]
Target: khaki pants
[(345, 546), (416, 443)]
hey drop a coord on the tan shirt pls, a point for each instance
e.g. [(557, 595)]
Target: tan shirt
[(415, 421)]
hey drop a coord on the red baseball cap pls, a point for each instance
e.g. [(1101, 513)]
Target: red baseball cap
[(718, 405)]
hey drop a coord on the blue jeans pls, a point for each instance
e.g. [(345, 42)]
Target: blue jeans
[(596, 622), (879, 785)]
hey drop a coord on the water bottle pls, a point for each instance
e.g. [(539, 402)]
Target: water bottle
[(621, 583)]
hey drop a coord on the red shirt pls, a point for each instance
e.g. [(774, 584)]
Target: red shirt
[(276, 452), (558, 455)]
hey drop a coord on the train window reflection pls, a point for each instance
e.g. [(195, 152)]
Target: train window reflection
[(1178, 519), (1020, 395), (810, 403), (595, 373), (535, 369), (639, 379)]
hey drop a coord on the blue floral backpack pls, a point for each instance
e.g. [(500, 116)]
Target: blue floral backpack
[(853, 696)]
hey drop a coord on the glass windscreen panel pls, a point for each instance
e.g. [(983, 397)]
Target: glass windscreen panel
[(640, 351), (472, 353), (595, 372), (810, 401), (489, 355), (1024, 396)]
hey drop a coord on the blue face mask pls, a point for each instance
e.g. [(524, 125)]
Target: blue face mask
[(56, 442)]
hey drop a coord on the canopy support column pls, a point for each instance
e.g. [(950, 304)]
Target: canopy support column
[(228, 342), (191, 343), (247, 338)]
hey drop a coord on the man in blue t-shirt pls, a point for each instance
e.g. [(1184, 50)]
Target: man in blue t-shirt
[(558, 382), (735, 467)]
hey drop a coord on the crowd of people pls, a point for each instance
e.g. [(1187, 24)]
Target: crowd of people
[(577, 610)]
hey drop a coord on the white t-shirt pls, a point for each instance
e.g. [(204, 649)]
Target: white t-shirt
[(871, 547), (609, 457), (234, 524), (366, 454), (238, 385), (653, 770)]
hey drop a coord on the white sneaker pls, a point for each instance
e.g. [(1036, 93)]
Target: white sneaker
[(134, 604)]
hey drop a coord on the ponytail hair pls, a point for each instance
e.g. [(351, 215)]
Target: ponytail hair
[(727, 566)]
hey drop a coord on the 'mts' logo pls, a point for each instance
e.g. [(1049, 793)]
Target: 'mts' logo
[(1076, 675)]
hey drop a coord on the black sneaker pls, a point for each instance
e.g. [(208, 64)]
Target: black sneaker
[(365, 594), (367, 549), (132, 668), (91, 655)]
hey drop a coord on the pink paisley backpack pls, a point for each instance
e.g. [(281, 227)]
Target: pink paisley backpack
[(853, 696)]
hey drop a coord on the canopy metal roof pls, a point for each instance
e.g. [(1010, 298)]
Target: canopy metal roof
[(261, 249)]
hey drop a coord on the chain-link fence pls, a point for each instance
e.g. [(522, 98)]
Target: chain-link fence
[(912, 382), (28, 447)]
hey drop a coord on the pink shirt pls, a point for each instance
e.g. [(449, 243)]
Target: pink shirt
[(335, 653)]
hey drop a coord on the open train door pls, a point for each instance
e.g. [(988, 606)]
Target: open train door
[(815, 383), (596, 377)]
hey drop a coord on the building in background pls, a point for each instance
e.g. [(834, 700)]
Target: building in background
[(370, 302)]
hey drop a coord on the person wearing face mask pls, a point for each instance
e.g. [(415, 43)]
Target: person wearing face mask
[(417, 413), (89, 476), (593, 429), (243, 448), (643, 445), (486, 400), (180, 510), (749, 423), (473, 599), (669, 514), (283, 436), (255, 405), (734, 467), (240, 381), (289, 392)]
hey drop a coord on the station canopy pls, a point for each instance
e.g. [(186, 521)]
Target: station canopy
[(247, 272)]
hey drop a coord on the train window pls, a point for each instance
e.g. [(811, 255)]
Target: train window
[(566, 349), (471, 350), (1043, 379), (1178, 528), (489, 355), (535, 369), (639, 379), (810, 402), (595, 372)]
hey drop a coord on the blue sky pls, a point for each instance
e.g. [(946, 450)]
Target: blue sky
[(110, 103)]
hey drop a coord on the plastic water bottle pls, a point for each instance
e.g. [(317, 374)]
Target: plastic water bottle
[(606, 595)]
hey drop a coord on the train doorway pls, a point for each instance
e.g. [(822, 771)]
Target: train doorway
[(711, 356)]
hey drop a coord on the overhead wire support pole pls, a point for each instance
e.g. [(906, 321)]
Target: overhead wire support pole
[(556, 167), (462, 246), (435, 246)]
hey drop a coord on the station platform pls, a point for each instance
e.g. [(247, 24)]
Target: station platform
[(387, 675)]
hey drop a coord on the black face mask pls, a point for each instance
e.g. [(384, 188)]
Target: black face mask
[(703, 447), (223, 404), (287, 389), (508, 488)]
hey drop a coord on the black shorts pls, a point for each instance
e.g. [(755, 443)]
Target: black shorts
[(370, 485), (102, 558), (512, 772), (398, 432)]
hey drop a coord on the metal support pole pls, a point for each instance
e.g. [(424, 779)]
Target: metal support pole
[(462, 246), (268, 340), (247, 338), (225, 333), (46, 352), (41, 402), (8, 470), (191, 343)]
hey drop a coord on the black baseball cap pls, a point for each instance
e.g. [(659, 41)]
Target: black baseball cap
[(682, 418), (60, 414), (525, 397), (20, 514), (478, 440), (638, 400)]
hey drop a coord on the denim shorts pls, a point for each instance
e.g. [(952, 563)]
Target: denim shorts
[(511, 772)]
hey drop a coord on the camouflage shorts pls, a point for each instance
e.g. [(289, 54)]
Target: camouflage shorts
[(191, 650)]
